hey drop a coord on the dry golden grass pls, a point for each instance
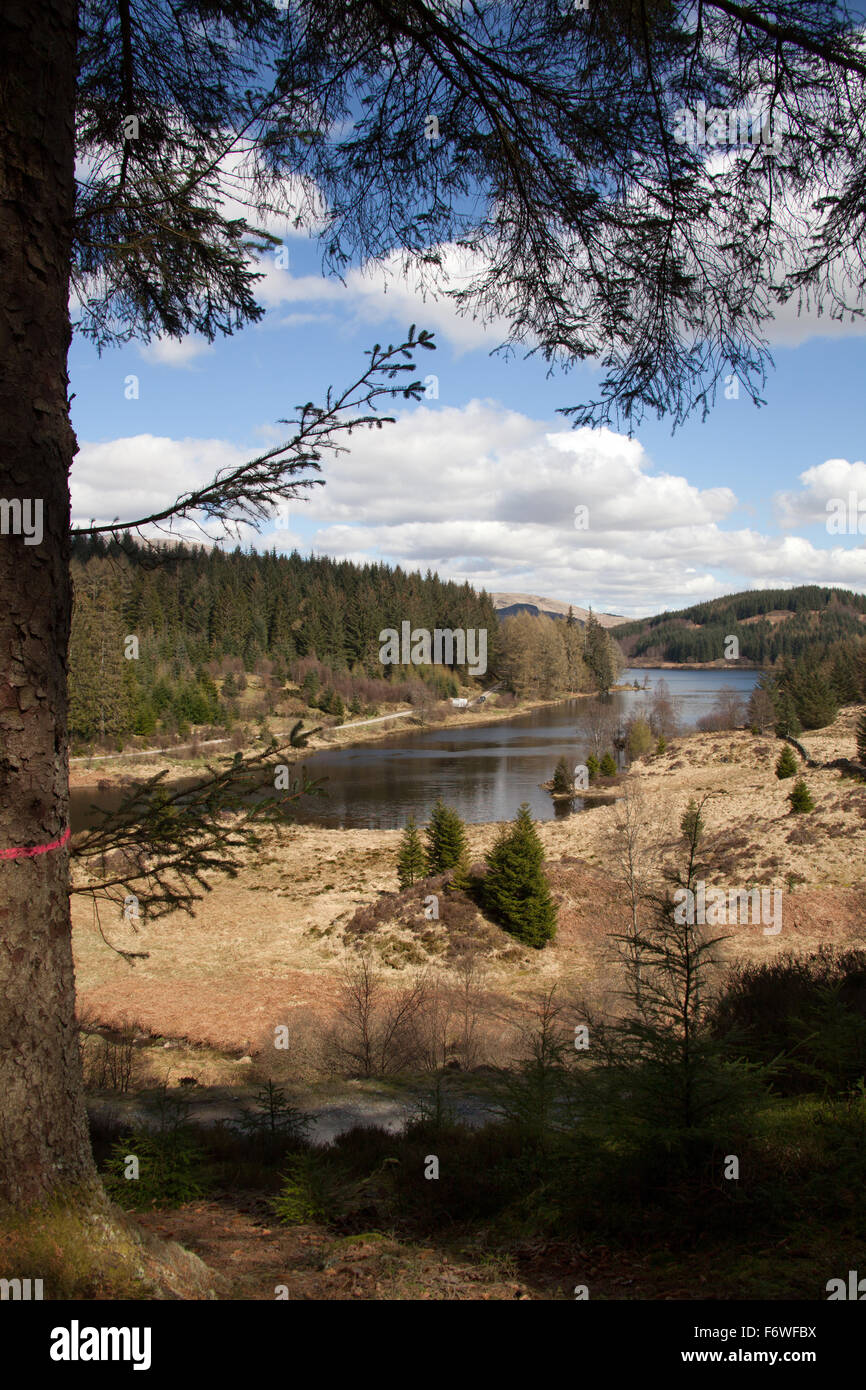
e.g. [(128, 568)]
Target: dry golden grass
[(266, 948)]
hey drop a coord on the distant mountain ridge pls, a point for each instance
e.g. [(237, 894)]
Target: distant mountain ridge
[(769, 624), (507, 605)]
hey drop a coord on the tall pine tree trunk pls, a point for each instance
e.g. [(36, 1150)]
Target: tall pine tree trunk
[(44, 1143)]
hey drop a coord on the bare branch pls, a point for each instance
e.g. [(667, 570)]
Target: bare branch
[(250, 492)]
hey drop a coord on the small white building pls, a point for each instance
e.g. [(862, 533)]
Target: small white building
[(460, 704)]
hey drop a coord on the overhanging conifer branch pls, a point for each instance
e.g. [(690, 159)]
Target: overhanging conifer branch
[(248, 494), (161, 845)]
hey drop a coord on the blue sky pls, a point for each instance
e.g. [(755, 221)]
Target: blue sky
[(481, 481)]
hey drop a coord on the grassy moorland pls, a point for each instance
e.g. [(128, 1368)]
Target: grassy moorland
[(466, 1053)]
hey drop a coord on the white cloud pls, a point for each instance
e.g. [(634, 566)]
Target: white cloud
[(619, 573), (175, 352), (402, 290), (833, 480), (494, 464), (279, 286), (790, 329), (394, 292), (138, 475), (281, 540), (295, 206), (488, 494), (299, 320), (391, 290)]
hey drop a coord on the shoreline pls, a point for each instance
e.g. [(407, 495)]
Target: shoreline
[(276, 937), (638, 664), (82, 777), (119, 769)]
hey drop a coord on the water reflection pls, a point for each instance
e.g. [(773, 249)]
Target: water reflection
[(484, 773)]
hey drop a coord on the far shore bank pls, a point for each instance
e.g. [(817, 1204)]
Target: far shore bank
[(271, 943), (636, 664), (101, 770)]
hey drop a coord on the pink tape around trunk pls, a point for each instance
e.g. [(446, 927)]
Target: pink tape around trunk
[(37, 849)]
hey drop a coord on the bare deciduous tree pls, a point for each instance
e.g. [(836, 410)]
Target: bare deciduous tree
[(598, 721), (470, 1005), (728, 712), (637, 858), (377, 1032), (761, 710), (664, 712)]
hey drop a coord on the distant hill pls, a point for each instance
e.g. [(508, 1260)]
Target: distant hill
[(507, 605), (770, 624)]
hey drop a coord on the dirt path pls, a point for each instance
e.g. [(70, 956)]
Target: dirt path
[(261, 1261), (257, 1260), (178, 751)]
